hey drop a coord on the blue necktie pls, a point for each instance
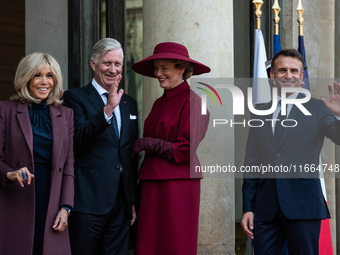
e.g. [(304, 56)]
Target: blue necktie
[(114, 119), (278, 127)]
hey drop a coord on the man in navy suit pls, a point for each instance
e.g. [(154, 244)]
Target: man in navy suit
[(288, 206), (106, 127)]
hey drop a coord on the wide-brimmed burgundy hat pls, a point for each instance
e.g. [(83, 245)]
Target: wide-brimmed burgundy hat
[(167, 50)]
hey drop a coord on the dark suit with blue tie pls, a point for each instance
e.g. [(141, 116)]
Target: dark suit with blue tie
[(106, 175), (288, 204)]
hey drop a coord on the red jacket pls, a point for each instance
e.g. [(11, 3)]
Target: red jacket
[(175, 117)]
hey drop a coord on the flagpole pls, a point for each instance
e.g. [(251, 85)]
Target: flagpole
[(301, 47), (300, 19), (261, 88), (276, 8), (258, 12), (276, 36)]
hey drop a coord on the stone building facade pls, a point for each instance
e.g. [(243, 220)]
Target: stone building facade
[(218, 33)]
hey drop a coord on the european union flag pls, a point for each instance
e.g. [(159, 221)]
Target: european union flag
[(302, 51)]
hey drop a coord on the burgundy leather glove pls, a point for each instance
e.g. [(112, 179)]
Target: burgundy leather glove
[(159, 147), (137, 147)]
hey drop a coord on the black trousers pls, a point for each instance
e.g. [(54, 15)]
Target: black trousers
[(302, 236), (101, 234), (42, 192)]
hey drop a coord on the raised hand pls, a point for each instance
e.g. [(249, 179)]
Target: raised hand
[(114, 96), (334, 102)]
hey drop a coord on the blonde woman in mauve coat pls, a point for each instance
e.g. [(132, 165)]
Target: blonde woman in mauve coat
[(36, 162)]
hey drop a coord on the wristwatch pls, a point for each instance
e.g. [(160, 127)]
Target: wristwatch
[(67, 208)]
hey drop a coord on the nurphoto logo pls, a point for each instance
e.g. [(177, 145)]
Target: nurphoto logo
[(238, 104), (238, 99)]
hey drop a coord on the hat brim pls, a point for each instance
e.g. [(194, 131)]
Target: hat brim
[(146, 66)]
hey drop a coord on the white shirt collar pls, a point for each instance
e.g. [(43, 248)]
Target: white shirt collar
[(99, 88)]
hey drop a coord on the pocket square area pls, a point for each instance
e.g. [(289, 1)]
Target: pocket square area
[(133, 117)]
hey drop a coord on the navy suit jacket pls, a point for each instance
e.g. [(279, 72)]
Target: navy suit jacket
[(299, 194), (99, 153)]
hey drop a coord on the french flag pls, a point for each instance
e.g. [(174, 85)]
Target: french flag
[(325, 239)]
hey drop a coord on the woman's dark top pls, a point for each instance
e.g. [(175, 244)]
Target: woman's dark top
[(42, 154)]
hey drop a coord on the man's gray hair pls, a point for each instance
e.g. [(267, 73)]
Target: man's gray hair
[(104, 45)]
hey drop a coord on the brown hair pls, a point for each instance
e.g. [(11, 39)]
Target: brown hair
[(288, 53), (188, 67)]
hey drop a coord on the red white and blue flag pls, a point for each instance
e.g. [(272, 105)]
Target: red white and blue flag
[(325, 239)]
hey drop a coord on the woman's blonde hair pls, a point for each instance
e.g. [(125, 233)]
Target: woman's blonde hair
[(28, 67), (188, 67)]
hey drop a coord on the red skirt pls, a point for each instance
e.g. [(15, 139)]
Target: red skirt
[(168, 217)]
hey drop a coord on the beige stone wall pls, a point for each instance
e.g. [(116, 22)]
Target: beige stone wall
[(47, 31)]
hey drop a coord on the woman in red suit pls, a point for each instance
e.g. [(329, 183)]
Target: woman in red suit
[(170, 191), (36, 162)]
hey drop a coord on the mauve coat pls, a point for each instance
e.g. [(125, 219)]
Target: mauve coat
[(17, 204)]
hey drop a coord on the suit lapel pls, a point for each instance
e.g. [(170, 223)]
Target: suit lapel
[(57, 123), (295, 114), (25, 124), (94, 97), (124, 118)]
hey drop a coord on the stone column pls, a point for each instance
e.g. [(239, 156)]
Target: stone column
[(206, 29)]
